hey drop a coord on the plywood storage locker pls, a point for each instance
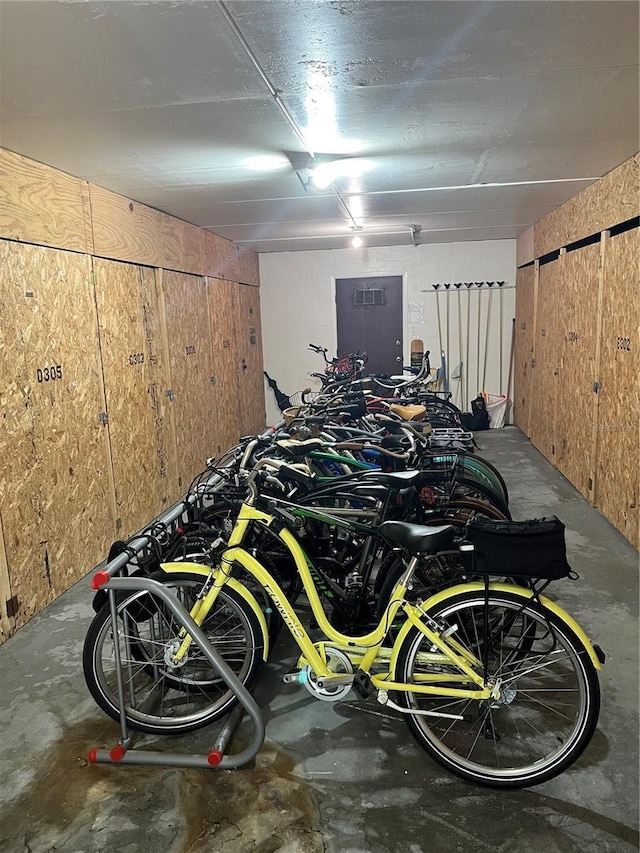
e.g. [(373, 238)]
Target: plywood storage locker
[(616, 488), (134, 365), (523, 345), (546, 384), (224, 352), (250, 373), (577, 331), (55, 483), (191, 390)]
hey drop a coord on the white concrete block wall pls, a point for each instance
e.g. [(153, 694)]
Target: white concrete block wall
[(298, 307)]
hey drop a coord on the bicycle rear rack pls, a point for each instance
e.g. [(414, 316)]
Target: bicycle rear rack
[(110, 579)]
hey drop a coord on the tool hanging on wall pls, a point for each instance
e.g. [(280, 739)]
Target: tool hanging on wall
[(447, 309), (486, 336), (460, 367), (468, 285), (436, 287), (477, 389), (500, 300)]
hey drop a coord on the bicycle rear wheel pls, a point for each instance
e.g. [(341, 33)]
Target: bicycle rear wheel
[(159, 697), (548, 703)]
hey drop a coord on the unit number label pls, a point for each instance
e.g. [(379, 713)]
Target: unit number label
[(136, 358), (572, 336), (49, 374), (624, 343), (191, 349)]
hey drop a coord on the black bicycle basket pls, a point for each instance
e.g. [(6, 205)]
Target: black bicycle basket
[(535, 548)]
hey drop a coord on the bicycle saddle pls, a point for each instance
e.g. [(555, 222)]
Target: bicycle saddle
[(408, 413), (394, 480), (416, 538)]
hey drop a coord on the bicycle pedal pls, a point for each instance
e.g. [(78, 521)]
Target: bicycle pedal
[(291, 678), (362, 684)]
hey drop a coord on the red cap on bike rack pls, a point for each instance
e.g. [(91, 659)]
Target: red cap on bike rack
[(117, 753), (215, 757), (99, 579), (93, 755)]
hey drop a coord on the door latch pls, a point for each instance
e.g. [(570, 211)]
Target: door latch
[(171, 395)]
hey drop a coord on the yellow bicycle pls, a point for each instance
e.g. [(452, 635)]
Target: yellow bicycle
[(496, 682)]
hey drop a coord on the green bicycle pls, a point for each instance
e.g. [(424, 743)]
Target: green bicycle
[(496, 682)]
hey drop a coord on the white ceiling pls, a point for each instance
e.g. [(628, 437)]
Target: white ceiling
[(169, 103)]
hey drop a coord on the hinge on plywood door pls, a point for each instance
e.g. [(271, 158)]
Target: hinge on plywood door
[(212, 380), (103, 418), (596, 387)]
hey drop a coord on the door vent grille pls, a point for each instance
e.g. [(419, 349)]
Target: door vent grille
[(369, 296)]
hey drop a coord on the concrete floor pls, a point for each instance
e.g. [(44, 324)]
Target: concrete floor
[(339, 778)]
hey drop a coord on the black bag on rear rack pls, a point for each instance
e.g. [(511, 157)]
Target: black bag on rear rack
[(533, 549)]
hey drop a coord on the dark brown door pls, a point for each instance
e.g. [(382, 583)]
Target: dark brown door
[(369, 317)]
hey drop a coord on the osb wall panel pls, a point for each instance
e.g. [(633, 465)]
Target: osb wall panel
[(135, 386), (189, 346), (248, 269), (250, 373), (524, 247), (577, 333), (39, 204), (523, 349), (221, 258), (222, 310), (127, 231), (616, 492), (55, 488), (546, 384), (612, 199)]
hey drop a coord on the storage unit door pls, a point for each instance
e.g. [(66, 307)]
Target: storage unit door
[(224, 350), (55, 483), (135, 385)]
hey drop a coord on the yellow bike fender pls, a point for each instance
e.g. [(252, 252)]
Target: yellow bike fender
[(562, 614), (204, 571)]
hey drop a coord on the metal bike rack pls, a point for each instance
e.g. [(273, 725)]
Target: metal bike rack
[(110, 578), (122, 753)]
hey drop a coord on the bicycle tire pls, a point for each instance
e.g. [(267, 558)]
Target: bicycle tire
[(476, 467), (549, 701), (160, 699), (470, 487), (460, 510)]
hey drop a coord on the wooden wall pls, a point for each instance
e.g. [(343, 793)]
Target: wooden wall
[(121, 372), (576, 358), (55, 479), (526, 288)]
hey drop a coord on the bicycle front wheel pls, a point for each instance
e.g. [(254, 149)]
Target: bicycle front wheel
[(548, 699), (159, 697)]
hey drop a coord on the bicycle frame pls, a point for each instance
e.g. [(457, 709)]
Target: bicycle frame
[(364, 651)]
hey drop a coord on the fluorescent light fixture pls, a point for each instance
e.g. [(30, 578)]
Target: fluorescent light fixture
[(265, 163), (355, 207), (325, 173)]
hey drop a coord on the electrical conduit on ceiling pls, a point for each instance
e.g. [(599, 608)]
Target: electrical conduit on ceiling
[(275, 94)]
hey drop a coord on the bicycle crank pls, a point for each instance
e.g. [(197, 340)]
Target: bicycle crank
[(329, 688)]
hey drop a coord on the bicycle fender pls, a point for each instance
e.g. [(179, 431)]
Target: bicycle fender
[(562, 614), (204, 571)]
